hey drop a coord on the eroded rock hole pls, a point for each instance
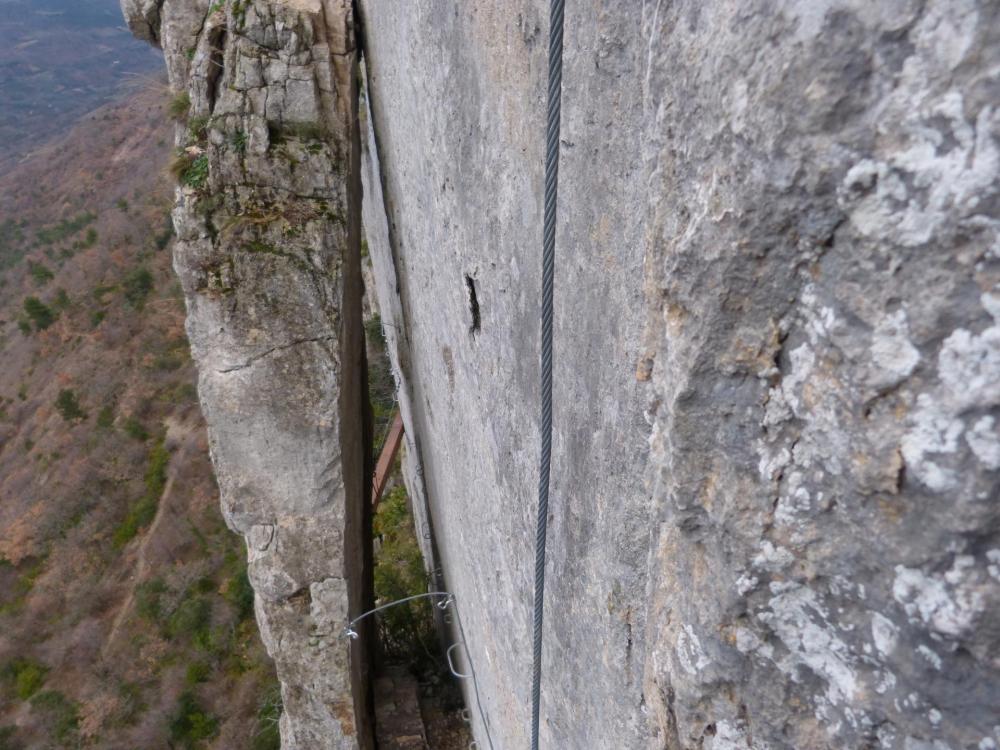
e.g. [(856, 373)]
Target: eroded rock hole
[(470, 285)]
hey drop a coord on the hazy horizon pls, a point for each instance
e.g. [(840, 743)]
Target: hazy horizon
[(60, 59)]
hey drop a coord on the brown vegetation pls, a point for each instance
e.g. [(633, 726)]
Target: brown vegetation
[(125, 611)]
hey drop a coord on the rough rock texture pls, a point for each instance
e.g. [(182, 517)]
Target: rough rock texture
[(467, 130), (823, 451), (775, 519), (268, 254)]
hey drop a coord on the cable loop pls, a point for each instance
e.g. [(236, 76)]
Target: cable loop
[(449, 605)]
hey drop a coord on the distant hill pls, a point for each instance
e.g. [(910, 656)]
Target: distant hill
[(58, 60)]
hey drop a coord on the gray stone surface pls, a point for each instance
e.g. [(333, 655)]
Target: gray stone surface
[(775, 515), (774, 522), (458, 119), (268, 254)]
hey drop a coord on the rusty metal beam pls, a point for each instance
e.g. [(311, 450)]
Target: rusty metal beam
[(387, 458)]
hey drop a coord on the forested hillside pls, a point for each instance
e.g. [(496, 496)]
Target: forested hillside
[(125, 611)]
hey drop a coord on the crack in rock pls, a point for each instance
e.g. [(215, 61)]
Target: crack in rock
[(272, 350)]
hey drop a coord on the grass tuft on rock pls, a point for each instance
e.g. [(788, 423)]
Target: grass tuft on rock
[(179, 106)]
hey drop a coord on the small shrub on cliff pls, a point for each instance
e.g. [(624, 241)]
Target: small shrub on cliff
[(179, 165), (25, 676), (190, 170), (61, 714), (135, 429), (306, 131), (190, 723), (68, 406), (39, 313), (137, 286), (196, 175), (179, 106), (198, 128), (40, 273)]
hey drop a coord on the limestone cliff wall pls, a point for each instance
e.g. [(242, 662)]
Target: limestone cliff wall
[(777, 384), (268, 254)]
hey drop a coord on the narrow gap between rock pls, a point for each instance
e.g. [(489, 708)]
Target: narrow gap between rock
[(415, 694)]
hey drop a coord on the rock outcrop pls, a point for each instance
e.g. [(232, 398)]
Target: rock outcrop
[(776, 455), (268, 254)]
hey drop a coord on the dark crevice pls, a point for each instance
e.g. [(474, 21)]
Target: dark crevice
[(301, 599), (470, 284), (216, 66)]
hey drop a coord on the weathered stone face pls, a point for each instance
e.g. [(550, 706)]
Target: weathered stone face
[(777, 379), (823, 330), (777, 361), (268, 255)]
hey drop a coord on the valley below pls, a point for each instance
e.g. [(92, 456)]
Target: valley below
[(126, 616)]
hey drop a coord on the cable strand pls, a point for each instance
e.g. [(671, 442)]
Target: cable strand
[(548, 276)]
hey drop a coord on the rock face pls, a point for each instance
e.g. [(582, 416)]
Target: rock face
[(774, 522), (268, 254), (777, 375)]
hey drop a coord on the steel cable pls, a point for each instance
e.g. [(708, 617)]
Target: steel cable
[(548, 274)]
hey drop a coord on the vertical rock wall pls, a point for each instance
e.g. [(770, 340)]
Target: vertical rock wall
[(821, 284), (775, 519), (458, 119), (268, 253)]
